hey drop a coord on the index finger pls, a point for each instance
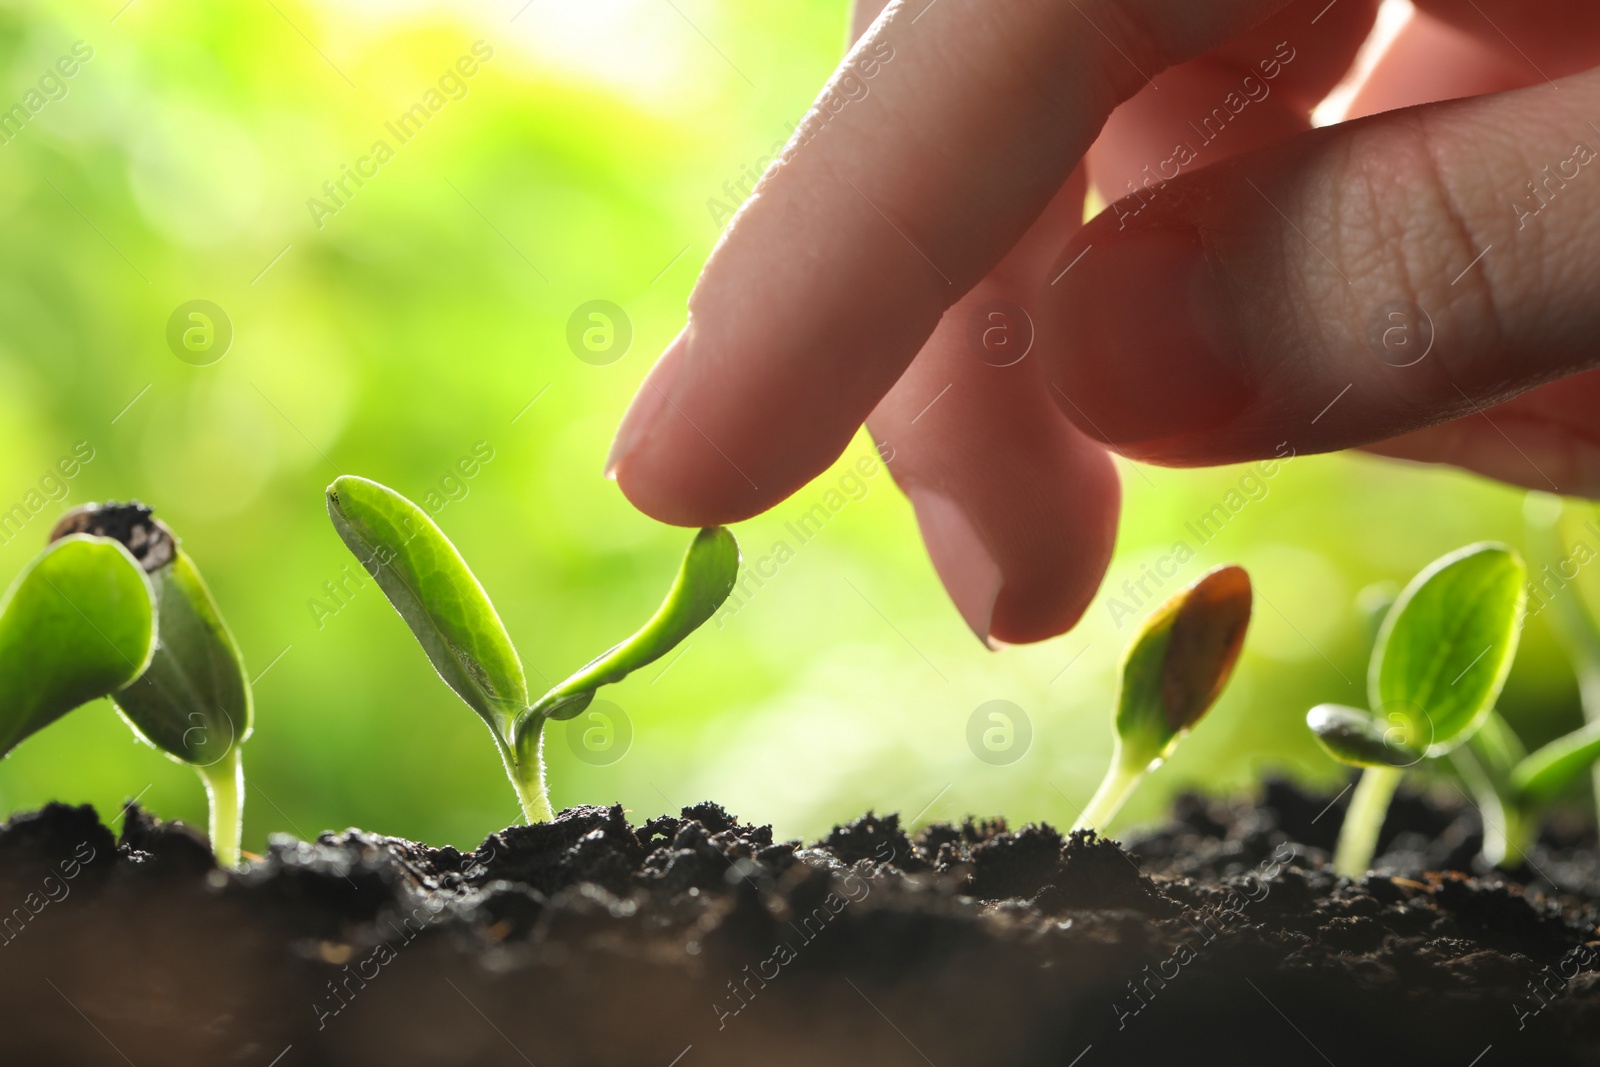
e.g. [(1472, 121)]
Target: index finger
[(936, 143)]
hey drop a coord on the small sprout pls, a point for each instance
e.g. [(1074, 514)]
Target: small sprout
[(704, 582), (1513, 788), (1542, 777), (435, 592), (1372, 605), (1176, 667), (77, 624), (1441, 657), (1560, 533), (194, 700)]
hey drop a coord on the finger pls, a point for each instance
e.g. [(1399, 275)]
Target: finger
[(940, 140), (1431, 60), (863, 15), (1362, 281), (1547, 40), (1545, 439), (1017, 508), (1259, 88)]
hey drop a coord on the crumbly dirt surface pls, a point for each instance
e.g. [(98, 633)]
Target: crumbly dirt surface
[(698, 939)]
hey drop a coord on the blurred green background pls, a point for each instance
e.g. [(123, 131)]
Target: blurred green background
[(427, 317)]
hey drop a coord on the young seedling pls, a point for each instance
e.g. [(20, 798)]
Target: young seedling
[(434, 591), (193, 702), (1176, 667), (1513, 788), (77, 624), (1441, 656), (1559, 534)]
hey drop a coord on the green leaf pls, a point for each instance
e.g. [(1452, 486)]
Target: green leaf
[(1350, 735), (704, 581), (1179, 663), (434, 591), (194, 701), (1578, 529), (1560, 551), (78, 623), (1498, 744), (1543, 776), (1447, 644)]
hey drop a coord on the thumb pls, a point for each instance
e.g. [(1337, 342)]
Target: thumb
[(1358, 282)]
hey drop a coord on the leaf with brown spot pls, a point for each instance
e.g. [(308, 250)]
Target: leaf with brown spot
[(1207, 636), (1179, 662)]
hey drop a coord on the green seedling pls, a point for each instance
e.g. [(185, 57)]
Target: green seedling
[(1562, 537), (1440, 659), (1176, 667), (430, 585), (193, 702), (1513, 788), (77, 624)]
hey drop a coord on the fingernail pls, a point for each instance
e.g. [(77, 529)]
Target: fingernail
[(964, 564), (648, 402), (1152, 349)]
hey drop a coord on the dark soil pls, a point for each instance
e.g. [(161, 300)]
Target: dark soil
[(697, 939)]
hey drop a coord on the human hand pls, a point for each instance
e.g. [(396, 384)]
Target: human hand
[(1271, 284)]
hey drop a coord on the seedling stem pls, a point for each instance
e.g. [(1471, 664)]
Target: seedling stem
[(1438, 663), (1364, 821), (527, 776), (1120, 781), (449, 613), (1173, 671), (225, 789)]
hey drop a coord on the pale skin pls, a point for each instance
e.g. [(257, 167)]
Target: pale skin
[(1209, 318)]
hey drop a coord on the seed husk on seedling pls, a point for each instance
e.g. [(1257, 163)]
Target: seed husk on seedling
[(1176, 667), (1512, 786), (193, 701), (1439, 662), (446, 608), (77, 624)]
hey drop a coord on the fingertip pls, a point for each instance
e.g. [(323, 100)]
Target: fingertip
[(963, 562), (644, 412), (1021, 566), (665, 460), (1048, 600)]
